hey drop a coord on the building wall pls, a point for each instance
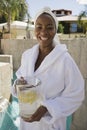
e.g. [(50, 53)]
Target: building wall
[(16, 48), (77, 48), (5, 80), (17, 33)]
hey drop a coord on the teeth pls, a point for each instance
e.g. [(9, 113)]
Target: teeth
[(44, 38)]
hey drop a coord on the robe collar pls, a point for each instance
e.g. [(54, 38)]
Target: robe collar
[(48, 60)]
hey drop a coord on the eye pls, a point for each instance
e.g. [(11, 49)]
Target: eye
[(38, 27), (50, 27)]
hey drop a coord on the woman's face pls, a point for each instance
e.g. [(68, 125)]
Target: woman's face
[(45, 30)]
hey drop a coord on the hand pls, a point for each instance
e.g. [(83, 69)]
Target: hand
[(21, 81), (37, 115)]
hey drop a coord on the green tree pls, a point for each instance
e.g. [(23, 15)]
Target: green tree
[(83, 23), (2, 19), (60, 28), (13, 9), (23, 10)]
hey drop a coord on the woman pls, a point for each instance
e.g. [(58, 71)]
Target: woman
[(62, 84)]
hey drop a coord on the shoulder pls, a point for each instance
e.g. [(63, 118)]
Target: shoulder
[(29, 51), (70, 62), (69, 58)]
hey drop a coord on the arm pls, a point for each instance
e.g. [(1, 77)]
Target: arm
[(19, 76), (71, 97), (20, 81)]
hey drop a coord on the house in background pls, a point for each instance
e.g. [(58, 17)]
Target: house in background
[(62, 12), (18, 30), (69, 21)]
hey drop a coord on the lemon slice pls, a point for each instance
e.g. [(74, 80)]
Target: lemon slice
[(29, 97)]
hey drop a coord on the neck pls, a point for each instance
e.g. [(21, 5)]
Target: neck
[(45, 50)]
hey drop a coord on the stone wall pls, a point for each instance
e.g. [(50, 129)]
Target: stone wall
[(77, 48), (7, 59), (6, 76), (5, 79), (16, 48)]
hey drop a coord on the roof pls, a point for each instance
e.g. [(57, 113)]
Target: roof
[(17, 24), (69, 18), (61, 10)]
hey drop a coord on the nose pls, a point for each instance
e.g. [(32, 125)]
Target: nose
[(44, 31)]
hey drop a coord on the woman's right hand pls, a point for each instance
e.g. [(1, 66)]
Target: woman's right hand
[(21, 81)]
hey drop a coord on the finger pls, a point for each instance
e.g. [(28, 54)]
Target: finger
[(23, 80), (37, 118), (27, 119)]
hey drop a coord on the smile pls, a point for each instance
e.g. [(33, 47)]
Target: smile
[(43, 38)]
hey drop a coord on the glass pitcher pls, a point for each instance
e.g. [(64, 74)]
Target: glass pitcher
[(29, 97)]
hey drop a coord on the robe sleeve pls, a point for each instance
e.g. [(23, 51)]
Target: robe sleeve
[(19, 73), (71, 97)]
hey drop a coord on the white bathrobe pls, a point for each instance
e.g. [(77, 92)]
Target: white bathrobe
[(62, 86)]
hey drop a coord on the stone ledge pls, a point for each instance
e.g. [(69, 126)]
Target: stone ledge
[(7, 59), (5, 80)]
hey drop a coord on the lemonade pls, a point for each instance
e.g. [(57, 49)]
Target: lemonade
[(28, 97)]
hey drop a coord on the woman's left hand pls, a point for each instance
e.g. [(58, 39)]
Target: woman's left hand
[(37, 115)]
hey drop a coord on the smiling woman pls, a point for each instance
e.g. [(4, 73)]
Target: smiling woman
[(62, 85), (45, 31)]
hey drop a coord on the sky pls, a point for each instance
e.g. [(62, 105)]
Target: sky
[(35, 5)]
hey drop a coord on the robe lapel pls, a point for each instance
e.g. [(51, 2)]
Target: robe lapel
[(32, 60), (51, 58)]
